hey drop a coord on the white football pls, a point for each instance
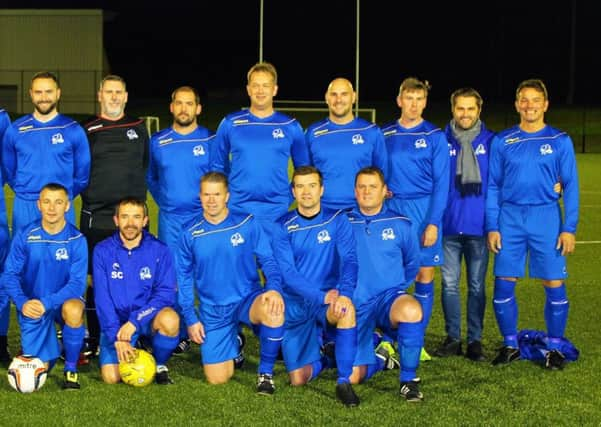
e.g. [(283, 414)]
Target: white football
[(27, 374)]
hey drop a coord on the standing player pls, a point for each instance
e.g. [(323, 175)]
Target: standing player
[(419, 182), (218, 259), (134, 282), (315, 249), (43, 147), (524, 219), (179, 157), (463, 224), (45, 277), (119, 149), (260, 141), (388, 255), (342, 144), (4, 245)]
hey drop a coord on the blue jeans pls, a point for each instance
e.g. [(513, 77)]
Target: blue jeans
[(473, 249)]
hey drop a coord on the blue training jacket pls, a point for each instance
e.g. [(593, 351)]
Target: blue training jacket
[(464, 215), (132, 284)]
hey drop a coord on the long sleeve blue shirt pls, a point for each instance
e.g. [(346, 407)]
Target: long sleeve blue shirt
[(219, 262), (419, 165), (132, 284), (387, 252), (340, 151), (260, 149), (464, 215), (36, 153), (48, 267), (316, 254), (177, 162), (525, 166)]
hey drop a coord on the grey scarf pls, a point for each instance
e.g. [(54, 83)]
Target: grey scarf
[(467, 178)]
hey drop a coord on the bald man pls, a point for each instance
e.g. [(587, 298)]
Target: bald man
[(342, 144)]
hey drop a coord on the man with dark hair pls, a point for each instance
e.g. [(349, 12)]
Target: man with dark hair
[(43, 147), (119, 150), (134, 283), (45, 277)]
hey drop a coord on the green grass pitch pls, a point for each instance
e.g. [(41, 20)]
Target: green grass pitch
[(457, 391)]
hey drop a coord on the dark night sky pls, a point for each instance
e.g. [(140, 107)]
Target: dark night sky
[(212, 44)]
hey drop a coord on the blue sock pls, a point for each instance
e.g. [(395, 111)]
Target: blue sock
[(317, 367), (162, 347), (556, 314), (72, 343), (346, 349), (271, 340), (424, 293), (506, 311), (4, 319), (410, 337)]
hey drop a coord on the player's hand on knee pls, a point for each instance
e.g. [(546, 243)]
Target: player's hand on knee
[(196, 332), (34, 309), (331, 296), (342, 306), (125, 351), (494, 241), (126, 331), (566, 242), (274, 302)]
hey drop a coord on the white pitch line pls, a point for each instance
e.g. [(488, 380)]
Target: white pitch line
[(588, 242)]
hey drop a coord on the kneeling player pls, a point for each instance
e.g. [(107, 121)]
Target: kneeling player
[(134, 285), (315, 248), (217, 259), (45, 276), (388, 256)]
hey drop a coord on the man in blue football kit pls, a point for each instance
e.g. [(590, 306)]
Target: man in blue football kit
[(524, 218), (217, 261), (315, 249), (260, 141), (43, 147), (388, 255), (45, 277), (463, 224), (179, 157), (134, 283), (418, 180), (4, 245), (342, 144)]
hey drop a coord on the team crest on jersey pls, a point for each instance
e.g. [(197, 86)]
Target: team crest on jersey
[(131, 134), (357, 139), (545, 149), (236, 239), (388, 234), (436, 258), (61, 254), (57, 138), (452, 151), (323, 236), (421, 143), (277, 133), (116, 273), (198, 150), (145, 273), (480, 150)]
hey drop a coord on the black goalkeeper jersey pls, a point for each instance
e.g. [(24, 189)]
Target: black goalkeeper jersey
[(119, 151)]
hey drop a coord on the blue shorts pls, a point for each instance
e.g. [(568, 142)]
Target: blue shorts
[(304, 324), (221, 324), (171, 226), (417, 211), (373, 314), (530, 231), (38, 336), (26, 211), (108, 353)]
